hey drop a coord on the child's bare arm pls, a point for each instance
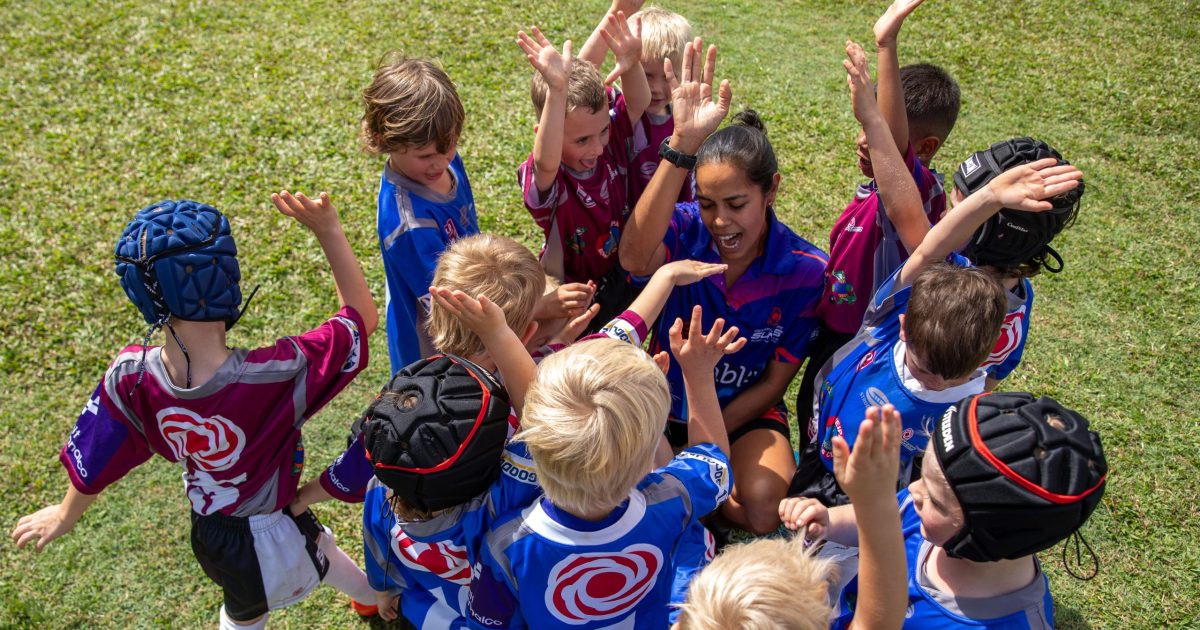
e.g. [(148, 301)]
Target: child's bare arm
[(696, 116), (594, 49), (486, 320), (650, 301), (309, 494), (321, 217), (897, 190), (697, 356), (52, 521), (891, 94), (626, 44), (868, 475), (1022, 188), (555, 68)]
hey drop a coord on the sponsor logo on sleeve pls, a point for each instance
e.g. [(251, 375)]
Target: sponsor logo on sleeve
[(587, 587), (718, 471)]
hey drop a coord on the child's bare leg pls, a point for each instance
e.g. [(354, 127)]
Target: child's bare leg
[(344, 574), (763, 464)]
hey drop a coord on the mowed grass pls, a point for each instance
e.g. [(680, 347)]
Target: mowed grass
[(104, 109)]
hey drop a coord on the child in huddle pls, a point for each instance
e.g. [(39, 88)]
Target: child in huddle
[(596, 549), (1013, 246), (231, 417), (777, 583), (929, 326), (664, 34), (412, 115), (575, 182), (1005, 477), (917, 107)]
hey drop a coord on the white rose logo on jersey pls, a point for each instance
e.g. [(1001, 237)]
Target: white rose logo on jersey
[(445, 560), (587, 587), (212, 444), (1010, 338)]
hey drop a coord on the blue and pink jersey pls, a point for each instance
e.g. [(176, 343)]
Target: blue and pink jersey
[(1010, 347), (415, 224), (870, 370), (544, 568), (430, 562), (773, 303), (1028, 608), (865, 249), (648, 134), (582, 214), (237, 436)]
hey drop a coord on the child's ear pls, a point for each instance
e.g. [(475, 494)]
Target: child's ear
[(530, 331), (926, 148), (903, 337)]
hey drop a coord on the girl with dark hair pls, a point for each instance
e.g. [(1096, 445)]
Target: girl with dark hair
[(769, 291)]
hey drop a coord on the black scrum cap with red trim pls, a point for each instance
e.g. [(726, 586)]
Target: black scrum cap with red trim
[(1026, 472), (436, 434)]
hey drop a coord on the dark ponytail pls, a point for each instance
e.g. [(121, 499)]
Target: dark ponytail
[(743, 144)]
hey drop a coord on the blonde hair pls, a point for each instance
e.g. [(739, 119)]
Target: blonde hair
[(768, 584), (497, 267), (585, 88), (593, 416), (410, 103), (664, 34)]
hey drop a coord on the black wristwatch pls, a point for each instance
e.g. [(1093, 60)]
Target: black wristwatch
[(682, 160)]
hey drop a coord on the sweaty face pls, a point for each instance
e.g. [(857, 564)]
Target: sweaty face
[(862, 149), (941, 515), (734, 209), (425, 164), (585, 134), (660, 90)]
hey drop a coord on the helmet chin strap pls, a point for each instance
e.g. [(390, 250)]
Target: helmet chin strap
[(186, 359)]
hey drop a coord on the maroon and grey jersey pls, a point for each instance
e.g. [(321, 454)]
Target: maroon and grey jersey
[(237, 436)]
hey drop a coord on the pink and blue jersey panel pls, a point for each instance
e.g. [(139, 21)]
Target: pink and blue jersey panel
[(773, 303), (1010, 347), (415, 225), (544, 568), (1029, 608), (582, 215), (865, 249), (237, 436), (430, 562)]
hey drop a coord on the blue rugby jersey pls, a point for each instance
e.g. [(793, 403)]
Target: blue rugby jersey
[(1010, 347), (1029, 608), (415, 224), (773, 303), (870, 371), (430, 562), (544, 568)]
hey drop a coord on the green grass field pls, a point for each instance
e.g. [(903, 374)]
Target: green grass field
[(104, 109)]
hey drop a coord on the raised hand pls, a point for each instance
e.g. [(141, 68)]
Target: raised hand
[(700, 352), (696, 115), (1026, 187), (555, 68), (626, 44), (628, 7), (870, 469), (316, 214), (481, 315), (685, 272), (858, 77), (887, 27), (575, 327)]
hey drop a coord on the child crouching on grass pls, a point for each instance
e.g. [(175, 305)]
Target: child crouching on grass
[(593, 418), (231, 417)]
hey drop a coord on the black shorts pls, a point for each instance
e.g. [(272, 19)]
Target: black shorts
[(775, 419), (261, 562), (614, 293)]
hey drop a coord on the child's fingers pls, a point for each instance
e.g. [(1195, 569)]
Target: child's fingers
[(669, 73), (866, 444), (537, 35), (694, 328), (891, 430), (280, 204), (737, 345), (714, 333), (710, 65), (1055, 190), (728, 337), (841, 456), (663, 361), (675, 334), (566, 53)]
